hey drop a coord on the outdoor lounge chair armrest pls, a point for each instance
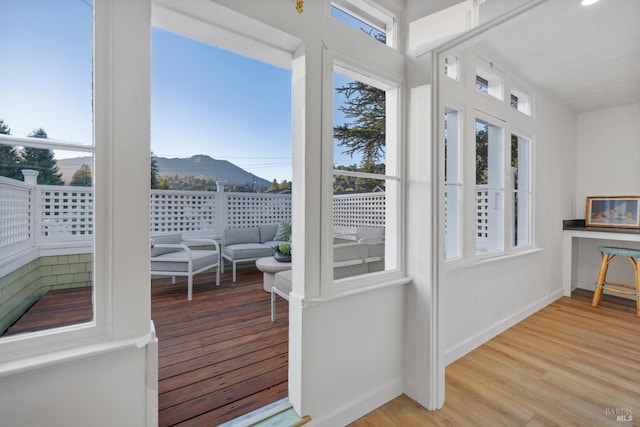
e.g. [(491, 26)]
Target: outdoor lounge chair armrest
[(179, 246), (198, 241)]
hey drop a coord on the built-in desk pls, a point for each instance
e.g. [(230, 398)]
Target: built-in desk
[(575, 228)]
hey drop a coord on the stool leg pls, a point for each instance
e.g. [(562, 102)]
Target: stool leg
[(601, 277), (637, 287)]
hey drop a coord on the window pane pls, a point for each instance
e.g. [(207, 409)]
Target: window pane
[(375, 27), (359, 127), (452, 224), (521, 191), (482, 84), (489, 189), (359, 224), (46, 194), (47, 56), (453, 184), (365, 208)]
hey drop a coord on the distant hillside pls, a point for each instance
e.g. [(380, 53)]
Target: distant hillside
[(199, 166)]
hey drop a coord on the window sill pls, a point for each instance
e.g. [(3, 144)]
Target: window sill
[(462, 264), (357, 291)]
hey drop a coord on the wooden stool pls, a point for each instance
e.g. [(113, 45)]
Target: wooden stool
[(608, 254)]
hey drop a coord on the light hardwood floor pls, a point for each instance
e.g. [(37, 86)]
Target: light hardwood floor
[(568, 364)]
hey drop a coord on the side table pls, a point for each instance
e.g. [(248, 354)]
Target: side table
[(269, 267)]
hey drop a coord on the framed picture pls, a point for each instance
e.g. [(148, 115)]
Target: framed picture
[(616, 211)]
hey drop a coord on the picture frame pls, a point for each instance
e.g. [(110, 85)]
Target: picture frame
[(613, 211)]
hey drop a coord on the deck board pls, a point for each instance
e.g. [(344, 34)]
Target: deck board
[(219, 355)]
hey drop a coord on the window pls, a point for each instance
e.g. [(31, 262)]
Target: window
[(366, 177), (520, 101), (520, 178), (489, 83), (47, 116), (489, 187), (364, 16), (453, 185), (451, 67)]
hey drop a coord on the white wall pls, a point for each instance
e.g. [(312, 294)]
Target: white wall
[(478, 301), (352, 351), (107, 390), (608, 154)]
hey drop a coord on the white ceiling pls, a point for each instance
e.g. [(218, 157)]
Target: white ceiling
[(587, 57)]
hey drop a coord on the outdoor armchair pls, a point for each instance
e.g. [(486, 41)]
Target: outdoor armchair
[(171, 256)]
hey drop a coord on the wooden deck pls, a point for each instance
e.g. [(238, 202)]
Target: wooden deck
[(568, 364), (220, 356)]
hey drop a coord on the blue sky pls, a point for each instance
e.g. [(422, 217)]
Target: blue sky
[(204, 100)]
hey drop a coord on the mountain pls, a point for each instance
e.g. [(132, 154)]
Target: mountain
[(199, 166)]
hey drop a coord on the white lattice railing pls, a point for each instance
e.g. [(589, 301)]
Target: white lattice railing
[(182, 211), (64, 213), (16, 219), (351, 211), (253, 209)]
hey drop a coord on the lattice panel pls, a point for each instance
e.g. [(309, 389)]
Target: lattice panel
[(182, 211), (66, 212), (15, 213), (358, 210), (250, 209), (482, 217)]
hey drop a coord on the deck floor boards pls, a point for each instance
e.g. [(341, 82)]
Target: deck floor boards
[(219, 355)]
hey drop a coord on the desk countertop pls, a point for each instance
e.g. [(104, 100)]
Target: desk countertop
[(578, 224)]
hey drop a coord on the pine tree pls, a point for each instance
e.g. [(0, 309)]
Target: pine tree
[(43, 161), (9, 162), (364, 131), (82, 176), (38, 133), (4, 128), (154, 172), (9, 166)]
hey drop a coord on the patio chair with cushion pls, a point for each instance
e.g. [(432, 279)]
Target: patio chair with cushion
[(170, 256), (240, 245)]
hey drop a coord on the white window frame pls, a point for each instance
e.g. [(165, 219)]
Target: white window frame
[(476, 104), (373, 15), (453, 235), (498, 187), (495, 83), (524, 101), (333, 61), (120, 113), (528, 192)]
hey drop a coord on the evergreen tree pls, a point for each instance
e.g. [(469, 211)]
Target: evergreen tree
[(274, 185), (9, 159), (4, 128), (154, 172), (43, 161), (9, 162), (38, 133), (364, 130), (82, 176)]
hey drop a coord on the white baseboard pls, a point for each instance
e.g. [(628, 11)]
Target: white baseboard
[(355, 409), (453, 354)]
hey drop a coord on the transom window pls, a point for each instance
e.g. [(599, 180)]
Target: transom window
[(367, 17)]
